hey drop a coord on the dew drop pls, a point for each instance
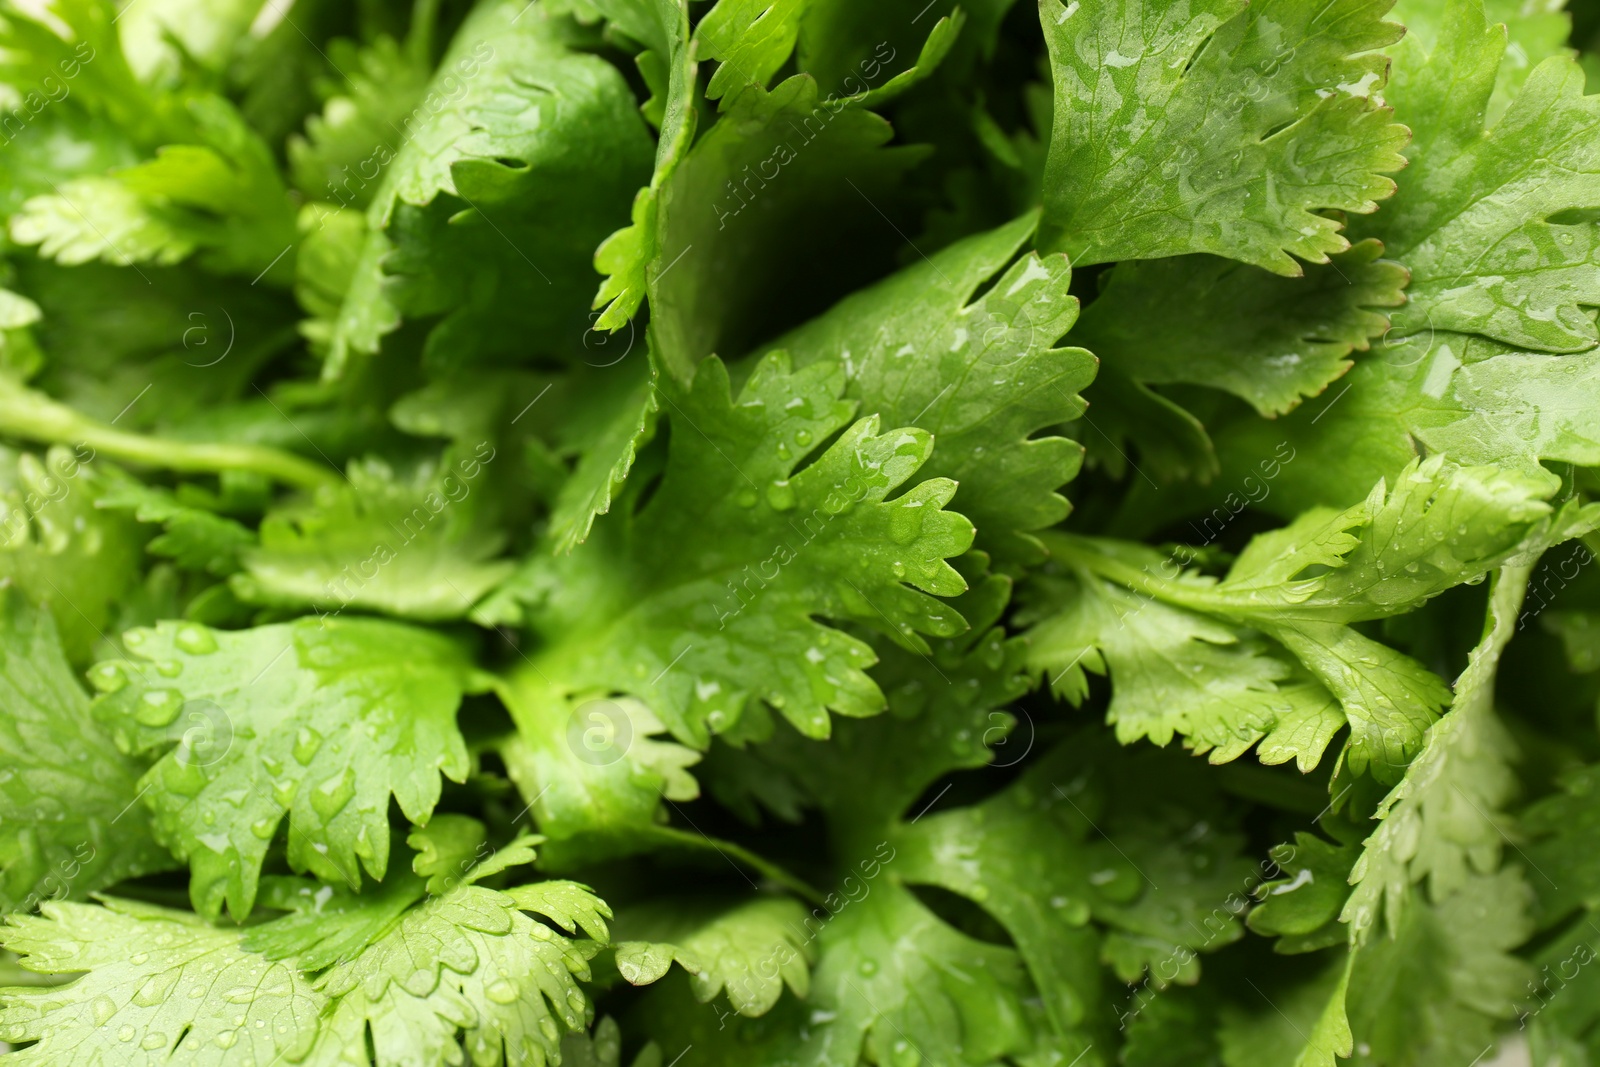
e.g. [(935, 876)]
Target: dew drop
[(107, 677), (306, 743), (333, 794), (905, 522), (156, 989), (904, 1054), (158, 707), (195, 640), (780, 495)]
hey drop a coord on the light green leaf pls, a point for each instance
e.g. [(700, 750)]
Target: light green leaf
[(1441, 823), (570, 905), (421, 548), (70, 822), (698, 635), (222, 195), (345, 150), (154, 978), (750, 39), (1268, 340), (1214, 127), (195, 538), (447, 850), (621, 420), (1441, 526), (320, 720), (462, 974), (160, 37), (487, 215), (981, 373), (1221, 688), (749, 949), (1479, 218), (61, 551), (631, 257)]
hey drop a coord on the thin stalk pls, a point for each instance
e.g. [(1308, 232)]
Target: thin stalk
[(29, 414)]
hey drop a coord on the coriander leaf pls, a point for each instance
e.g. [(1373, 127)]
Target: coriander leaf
[(184, 342), (100, 84), (1305, 1027), (327, 924), (1268, 340), (775, 165), (977, 672), (417, 547), (161, 987), (896, 981), (222, 195), (1032, 858), (1571, 875), (57, 548), (1029, 856), (320, 720), (700, 640), (485, 215), (163, 37), (750, 39), (1170, 442), (697, 635), (630, 258), (569, 905), (345, 149), (595, 768), (749, 949), (1221, 688), (1440, 526), (620, 414), (850, 47), (1438, 823), (1215, 128), (1537, 32), (466, 972), (1476, 217), (1562, 1025), (980, 373), (69, 818), (1444, 985), (196, 539), (1478, 401), (1302, 909), (447, 849), (603, 1048)]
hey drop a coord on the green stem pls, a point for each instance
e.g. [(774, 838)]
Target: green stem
[(1242, 604), (1082, 553), (31, 415), (764, 867)]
